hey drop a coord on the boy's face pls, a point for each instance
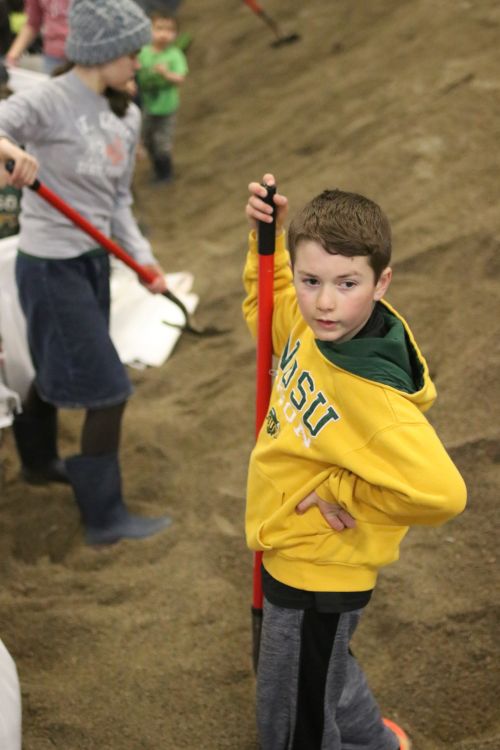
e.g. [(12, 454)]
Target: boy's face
[(164, 31), (336, 294)]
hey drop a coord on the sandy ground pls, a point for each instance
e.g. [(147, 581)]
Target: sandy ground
[(147, 645)]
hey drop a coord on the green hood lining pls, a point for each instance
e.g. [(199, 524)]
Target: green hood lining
[(390, 358)]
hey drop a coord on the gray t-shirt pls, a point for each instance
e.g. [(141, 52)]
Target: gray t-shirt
[(86, 155)]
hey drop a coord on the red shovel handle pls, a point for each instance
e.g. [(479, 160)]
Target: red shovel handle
[(254, 6), (266, 233), (266, 245), (259, 11), (145, 274)]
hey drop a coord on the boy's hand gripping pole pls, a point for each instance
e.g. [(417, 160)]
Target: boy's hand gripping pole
[(145, 274), (266, 234)]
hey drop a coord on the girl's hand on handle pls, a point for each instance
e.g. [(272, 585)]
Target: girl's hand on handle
[(158, 285), (25, 166), (257, 210)]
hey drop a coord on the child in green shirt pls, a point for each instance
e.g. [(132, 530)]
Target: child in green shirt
[(163, 68)]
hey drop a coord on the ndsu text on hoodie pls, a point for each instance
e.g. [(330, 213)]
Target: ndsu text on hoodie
[(345, 420)]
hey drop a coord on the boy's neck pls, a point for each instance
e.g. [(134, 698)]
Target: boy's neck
[(162, 47)]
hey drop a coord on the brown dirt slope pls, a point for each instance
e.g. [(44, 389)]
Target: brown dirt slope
[(147, 645)]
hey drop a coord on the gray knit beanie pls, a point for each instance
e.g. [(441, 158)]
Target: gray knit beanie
[(103, 30)]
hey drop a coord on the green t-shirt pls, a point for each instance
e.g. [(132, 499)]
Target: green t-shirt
[(160, 97)]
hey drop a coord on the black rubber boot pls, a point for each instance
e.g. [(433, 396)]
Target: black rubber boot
[(96, 481), (36, 441), (163, 168)]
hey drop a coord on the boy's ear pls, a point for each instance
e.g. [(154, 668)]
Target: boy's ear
[(382, 284)]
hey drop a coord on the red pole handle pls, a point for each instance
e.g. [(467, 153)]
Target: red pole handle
[(253, 5), (145, 274), (264, 339), (266, 247)]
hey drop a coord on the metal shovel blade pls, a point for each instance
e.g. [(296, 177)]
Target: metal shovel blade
[(288, 39), (189, 325)]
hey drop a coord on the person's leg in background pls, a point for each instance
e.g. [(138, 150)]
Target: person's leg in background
[(67, 306), (162, 137), (35, 434), (95, 475), (101, 430), (150, 125)]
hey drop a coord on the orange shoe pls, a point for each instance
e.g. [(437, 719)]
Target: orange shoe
[(404, 740)]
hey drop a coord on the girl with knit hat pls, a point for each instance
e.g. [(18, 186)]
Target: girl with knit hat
[(85, 151)]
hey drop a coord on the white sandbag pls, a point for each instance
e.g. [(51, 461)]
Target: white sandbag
[(10, 404), (22, 78), (10, 702), (18, 368), (137, 318)]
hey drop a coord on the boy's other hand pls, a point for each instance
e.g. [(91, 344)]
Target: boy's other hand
[(256, 210), (335, 516)]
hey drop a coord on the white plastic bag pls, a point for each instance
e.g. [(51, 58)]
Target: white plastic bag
[(18, 368), (10, 702)]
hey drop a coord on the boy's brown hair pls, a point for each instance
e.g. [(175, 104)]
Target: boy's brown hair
[(345, 224), (163, 15)]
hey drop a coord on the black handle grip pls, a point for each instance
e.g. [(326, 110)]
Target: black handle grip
[(266, 232), (9, 166)]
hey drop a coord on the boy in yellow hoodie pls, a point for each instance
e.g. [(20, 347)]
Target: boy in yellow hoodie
[(344, 463)]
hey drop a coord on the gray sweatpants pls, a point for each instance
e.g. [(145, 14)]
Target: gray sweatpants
[(158, 134), (287, 698)]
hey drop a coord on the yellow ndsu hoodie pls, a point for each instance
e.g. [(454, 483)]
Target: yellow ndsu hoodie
[(345, 420)]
